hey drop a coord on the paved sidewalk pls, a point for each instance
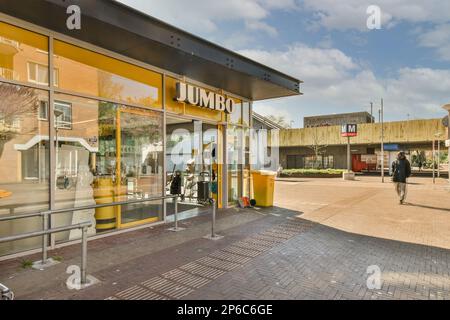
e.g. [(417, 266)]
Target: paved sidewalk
[(318, 246)]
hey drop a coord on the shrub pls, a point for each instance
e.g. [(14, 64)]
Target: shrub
[(290, 172)]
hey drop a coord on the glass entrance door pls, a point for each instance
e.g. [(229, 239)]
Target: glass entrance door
[(192, 164), (140, 165)]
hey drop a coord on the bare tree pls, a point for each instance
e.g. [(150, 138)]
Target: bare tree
[(317, 146), (16, 103)]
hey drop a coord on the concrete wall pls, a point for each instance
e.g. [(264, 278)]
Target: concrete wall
[(414, 131)]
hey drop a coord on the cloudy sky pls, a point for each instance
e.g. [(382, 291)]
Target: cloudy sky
[(327, 44)]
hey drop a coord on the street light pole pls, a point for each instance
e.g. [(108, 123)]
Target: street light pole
[(433, 162), (371, 112), (439, 158), (382, 140)]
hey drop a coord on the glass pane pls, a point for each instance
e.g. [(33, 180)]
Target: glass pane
[(19, 47), (24, 163), (236, 116), (111, 153), (42, 75), (246, 164), (91, 73), (235, 161), (141, 164), (246, 114)]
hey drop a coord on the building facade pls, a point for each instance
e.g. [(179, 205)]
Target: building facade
[(96, 116), (297, 146)]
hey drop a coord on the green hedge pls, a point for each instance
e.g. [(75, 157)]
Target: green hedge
[(289, 172)]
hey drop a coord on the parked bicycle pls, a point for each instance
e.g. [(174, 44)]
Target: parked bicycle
[(6, 293)]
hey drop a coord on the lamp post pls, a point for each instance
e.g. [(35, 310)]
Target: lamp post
[(447, 107), (382, 139)]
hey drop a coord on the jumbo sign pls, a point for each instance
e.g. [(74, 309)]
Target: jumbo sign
[(200, 97)]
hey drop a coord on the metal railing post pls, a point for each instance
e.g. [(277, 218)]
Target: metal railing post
[(44, 237), (213, 235), (175, 217), (84, 255), (213, 225), (176, 212)]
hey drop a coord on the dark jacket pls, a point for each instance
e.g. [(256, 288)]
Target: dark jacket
[(401, 170)]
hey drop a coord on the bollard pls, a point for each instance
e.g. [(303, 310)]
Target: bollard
[(213, 235), (175, 228), (84, 255)]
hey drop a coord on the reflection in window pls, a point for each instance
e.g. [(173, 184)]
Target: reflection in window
[(23, 55), (23, 163), (235, 161), (43, 110), (112, 153), (63, 115), (91, 73), (236, 116)]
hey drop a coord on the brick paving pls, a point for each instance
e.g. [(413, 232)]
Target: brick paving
[(316, 247)]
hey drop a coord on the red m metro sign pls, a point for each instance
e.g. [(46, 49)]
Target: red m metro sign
[(349, 130)]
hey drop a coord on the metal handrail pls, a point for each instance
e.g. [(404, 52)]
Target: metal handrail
[(44, 232), (96, 206), (84, 226)]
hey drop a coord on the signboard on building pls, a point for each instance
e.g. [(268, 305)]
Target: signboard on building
[(391, 147), (369, 158), (196, 96), (349, 130)]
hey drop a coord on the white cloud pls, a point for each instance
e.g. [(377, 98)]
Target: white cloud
[(204, 16), (336, 83), (439, 39), (351, 14)]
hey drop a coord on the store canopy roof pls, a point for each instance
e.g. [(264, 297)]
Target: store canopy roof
[(119, 28)]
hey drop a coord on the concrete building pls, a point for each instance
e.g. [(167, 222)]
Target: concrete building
[(296, 145), (338, 119)]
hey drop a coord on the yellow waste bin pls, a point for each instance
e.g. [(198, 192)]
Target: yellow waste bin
[(263, 187), (104, 193)]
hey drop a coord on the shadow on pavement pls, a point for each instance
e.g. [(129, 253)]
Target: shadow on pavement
[(426, 207)]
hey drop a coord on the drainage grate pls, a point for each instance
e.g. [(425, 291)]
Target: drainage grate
[(138, 293), (203, 271), (230, 256), (218, 264), (166, 287), (186, 278), (247, 252)]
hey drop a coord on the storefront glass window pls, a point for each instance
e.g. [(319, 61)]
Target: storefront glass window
[(246, 114), (246, 173), (23, 55), (94, 74), (24, 154), (236, 116), (235, 161), (110, 153)]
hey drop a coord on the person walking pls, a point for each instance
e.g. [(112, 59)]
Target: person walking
[(401, 170)]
